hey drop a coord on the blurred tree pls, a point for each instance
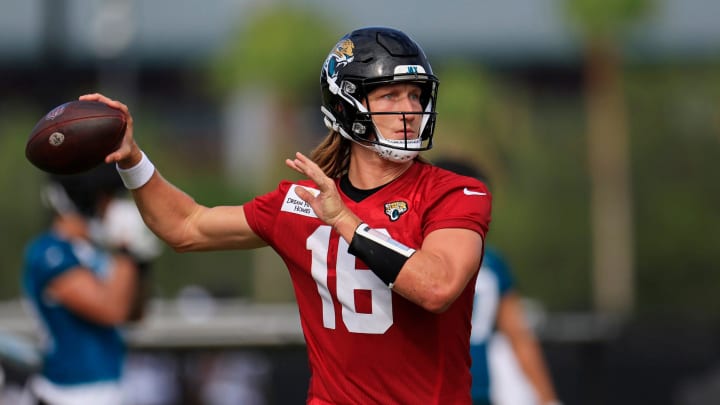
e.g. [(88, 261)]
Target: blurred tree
[(268, 72), (280, 49), (20, 205), (602, 23), (676, 150), (526, 140)]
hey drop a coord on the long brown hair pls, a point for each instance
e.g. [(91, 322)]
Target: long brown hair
[(332, 155)]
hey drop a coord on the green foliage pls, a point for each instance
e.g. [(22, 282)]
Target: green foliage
[(533, 147), (606, 17), (20, 210), (676, 148), (280, 49)]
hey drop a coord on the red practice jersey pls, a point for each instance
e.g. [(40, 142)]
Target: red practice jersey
[(365, 343)]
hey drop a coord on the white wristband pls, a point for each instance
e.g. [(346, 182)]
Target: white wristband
[(138, 175)]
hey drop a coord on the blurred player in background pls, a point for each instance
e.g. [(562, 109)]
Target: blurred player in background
[(85, 277), (382, 247), (508, 367)]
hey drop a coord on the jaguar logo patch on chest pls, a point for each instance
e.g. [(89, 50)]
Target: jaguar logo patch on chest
[(395, 209)]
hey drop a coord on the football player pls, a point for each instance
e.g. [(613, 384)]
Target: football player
[(382, 247), (84, 278)]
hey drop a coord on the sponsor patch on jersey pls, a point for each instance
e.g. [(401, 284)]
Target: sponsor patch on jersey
[(296, 205), (395, 209)]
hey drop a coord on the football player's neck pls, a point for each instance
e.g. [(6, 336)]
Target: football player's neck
[(368, 170)]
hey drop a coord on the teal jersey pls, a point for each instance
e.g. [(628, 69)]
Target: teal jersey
[(493, 282), (75, 350)]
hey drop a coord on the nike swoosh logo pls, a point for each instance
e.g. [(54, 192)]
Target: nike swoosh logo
[(468, 192)]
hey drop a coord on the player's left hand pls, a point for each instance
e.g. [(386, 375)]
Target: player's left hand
[(327, 204)]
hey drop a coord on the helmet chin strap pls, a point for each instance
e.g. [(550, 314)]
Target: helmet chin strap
[(394, 149)]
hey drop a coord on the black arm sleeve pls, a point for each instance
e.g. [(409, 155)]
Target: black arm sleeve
[(385, 256)]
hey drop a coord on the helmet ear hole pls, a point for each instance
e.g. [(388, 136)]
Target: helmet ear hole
[(359, 128)]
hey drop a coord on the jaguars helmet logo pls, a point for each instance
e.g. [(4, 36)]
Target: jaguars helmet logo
[(394, 209), (339, 57)]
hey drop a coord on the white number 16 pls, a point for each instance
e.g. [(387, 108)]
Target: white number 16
[(348, 279)]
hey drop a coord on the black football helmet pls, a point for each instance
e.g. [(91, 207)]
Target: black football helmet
[(81, 193), (363, 60)]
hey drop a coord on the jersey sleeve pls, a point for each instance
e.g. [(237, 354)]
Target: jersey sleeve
[(259, 214), (50, 259), (262, 211), (457, 202)]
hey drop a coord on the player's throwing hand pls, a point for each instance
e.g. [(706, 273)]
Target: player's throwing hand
[(326, 204)]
